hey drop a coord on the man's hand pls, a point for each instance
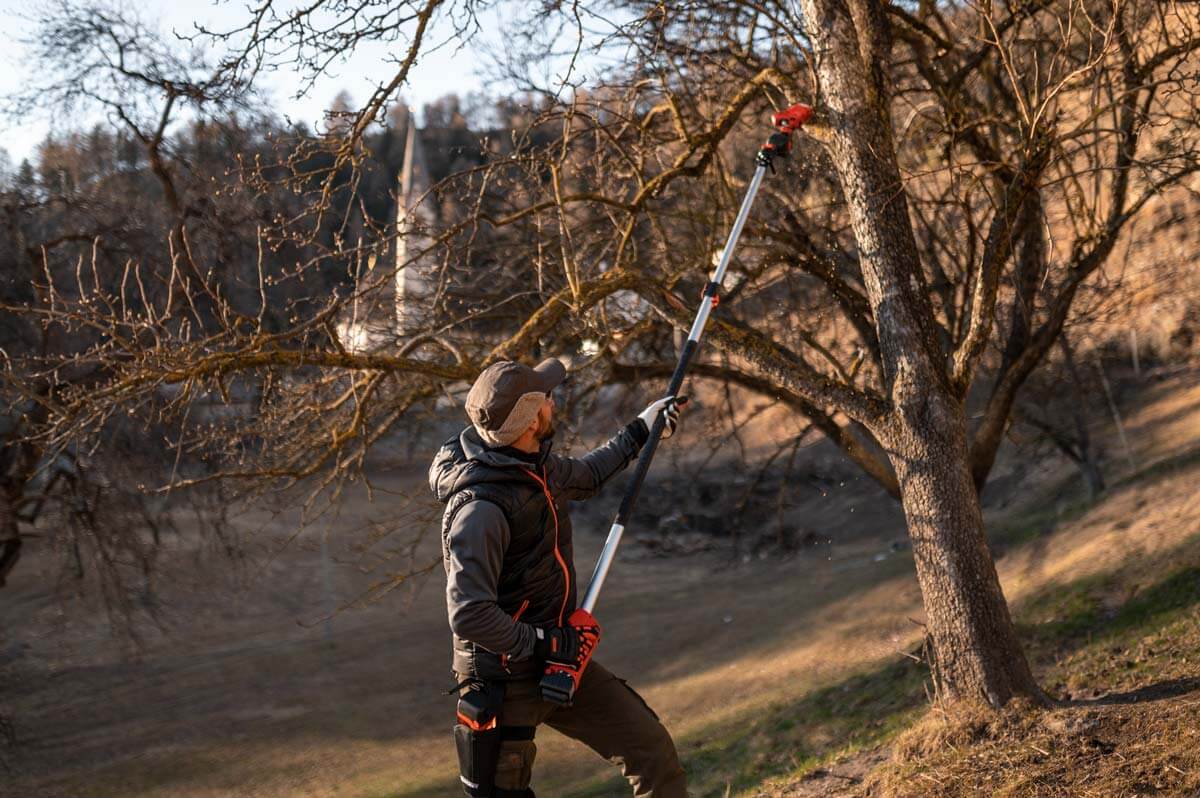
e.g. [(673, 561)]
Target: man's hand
[(570, 644), (669, 404), (557, 644), (561, 679)]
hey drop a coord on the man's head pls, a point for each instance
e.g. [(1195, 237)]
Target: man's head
[(510, 402)]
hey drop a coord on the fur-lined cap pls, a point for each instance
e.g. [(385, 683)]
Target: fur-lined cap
[(506, 397)]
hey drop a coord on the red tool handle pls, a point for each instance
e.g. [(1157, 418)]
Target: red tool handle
[(560, 681)]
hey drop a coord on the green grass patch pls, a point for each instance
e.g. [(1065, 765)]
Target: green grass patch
[(793, 737), (1106, 633), (1065, 615)]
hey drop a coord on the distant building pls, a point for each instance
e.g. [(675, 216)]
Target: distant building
[(416, 278), (393, 304)]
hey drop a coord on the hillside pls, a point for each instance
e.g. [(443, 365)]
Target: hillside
[(779, 675)]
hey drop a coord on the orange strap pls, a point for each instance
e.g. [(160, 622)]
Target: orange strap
[(473, 726)]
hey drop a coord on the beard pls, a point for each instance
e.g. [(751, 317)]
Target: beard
[(545, 430)]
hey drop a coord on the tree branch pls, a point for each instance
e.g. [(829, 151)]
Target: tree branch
[(986, 281), (842, 436), (774, 362)]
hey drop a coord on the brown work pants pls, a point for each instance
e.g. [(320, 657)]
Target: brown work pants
[(606, 716)]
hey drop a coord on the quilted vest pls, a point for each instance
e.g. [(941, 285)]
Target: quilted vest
[(537, 577)]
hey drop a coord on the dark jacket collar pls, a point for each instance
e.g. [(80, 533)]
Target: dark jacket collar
[(503, 456)]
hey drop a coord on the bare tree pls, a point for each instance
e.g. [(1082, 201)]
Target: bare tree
[(1057, 405), (971, 168), (73, 228)]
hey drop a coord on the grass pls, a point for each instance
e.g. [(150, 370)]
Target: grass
[(797, 736), (857, 713), (1126, 668), (1133, 630), (1107, 631)]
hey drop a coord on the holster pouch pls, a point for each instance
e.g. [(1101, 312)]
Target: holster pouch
[(477, 737)]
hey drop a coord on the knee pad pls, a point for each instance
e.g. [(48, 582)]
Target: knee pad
[(477, 737), (514, 770), (494, 761)]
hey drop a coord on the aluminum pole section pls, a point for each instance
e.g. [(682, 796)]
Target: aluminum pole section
[(707, 301)]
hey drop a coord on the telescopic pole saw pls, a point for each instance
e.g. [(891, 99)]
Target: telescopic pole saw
[(560, 681)]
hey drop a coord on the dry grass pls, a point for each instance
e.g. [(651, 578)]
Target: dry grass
[(1142, 743)]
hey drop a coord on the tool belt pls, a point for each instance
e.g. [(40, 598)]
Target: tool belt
[(477, 738)]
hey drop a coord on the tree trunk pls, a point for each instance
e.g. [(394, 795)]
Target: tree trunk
[(976, 653), (10, 538), (1093, 477), (10, 533)]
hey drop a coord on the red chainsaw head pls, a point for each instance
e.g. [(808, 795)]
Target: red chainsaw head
[(789, 119), (779, 144)]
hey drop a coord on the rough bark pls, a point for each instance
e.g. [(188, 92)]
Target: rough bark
[(976, 654)]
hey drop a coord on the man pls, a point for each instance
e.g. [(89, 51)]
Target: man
[(511, 586)]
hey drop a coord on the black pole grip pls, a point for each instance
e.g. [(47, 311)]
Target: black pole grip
[(647, 454)]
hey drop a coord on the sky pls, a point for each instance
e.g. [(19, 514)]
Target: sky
[(443, 71)]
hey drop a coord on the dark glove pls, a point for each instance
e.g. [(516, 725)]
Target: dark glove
[(557, 644)]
